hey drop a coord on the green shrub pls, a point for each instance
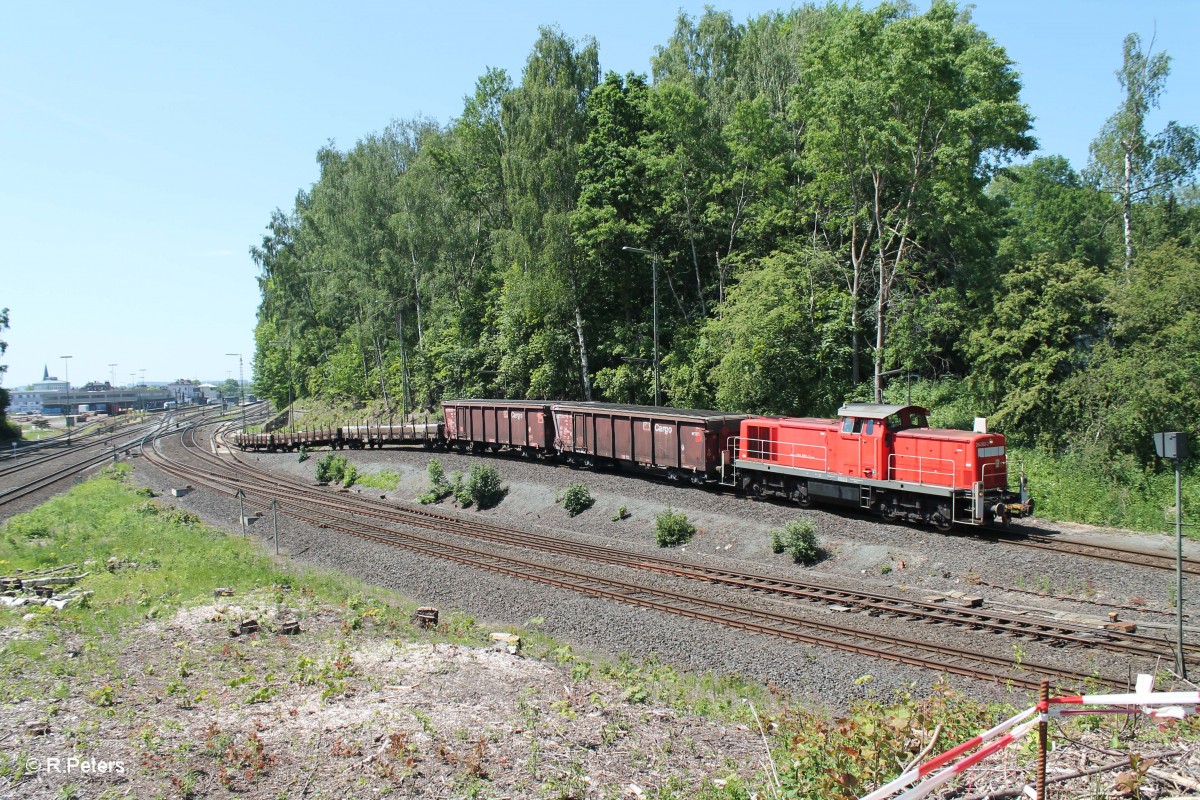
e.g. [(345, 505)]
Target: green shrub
[(462, 496), (332, 468), (484, 486), (304, 456), (777, 541), (672, 528), (577, 499), (622, 513), (349, 475), (799, 539), (439, 488)]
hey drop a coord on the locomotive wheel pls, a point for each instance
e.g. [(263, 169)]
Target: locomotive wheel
[(942, 519), (800, 496)]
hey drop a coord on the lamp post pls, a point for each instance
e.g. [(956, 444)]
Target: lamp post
[(112, 385), (241, 389), (142, 395), (287, 343), (66, 377), (654, 303), (67, 405)]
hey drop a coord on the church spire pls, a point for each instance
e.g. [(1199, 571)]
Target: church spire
[(45, 373)]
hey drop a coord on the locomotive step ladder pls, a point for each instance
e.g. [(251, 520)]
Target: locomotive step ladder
[(865, 497)]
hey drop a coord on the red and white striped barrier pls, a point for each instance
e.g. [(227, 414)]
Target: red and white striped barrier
[(932, 764), (1162, 705)]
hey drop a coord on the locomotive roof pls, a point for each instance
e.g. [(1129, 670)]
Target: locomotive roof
[(654, 411), (875, 410)]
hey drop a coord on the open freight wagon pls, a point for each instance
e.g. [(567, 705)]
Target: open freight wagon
[(683, 443)]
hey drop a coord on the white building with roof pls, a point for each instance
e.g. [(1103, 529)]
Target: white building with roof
[(29, 399)]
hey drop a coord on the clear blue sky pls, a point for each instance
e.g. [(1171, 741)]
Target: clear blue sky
[(143, 146)]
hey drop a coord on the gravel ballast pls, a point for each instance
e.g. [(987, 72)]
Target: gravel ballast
[(732, 531)]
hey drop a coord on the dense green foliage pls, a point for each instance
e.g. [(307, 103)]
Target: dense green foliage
[(439, 488), (830, 199), (577, 499), (336, 469), (798, 539), (484, 487), (672, 527)]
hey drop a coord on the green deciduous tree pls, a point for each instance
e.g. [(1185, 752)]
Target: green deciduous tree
[(782, 339), (907, 118), (1125, 160), (1144, 378), (545, 120), (1048, 211), (1046, 318)]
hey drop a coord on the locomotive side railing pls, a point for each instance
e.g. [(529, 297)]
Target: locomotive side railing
[(785, 454), (930, 471), (999, 473)]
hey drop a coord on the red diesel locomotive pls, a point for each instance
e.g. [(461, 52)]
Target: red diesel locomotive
[(881, 458)]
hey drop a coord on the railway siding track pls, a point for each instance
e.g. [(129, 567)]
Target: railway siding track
[(318, 508), (1120, 555)]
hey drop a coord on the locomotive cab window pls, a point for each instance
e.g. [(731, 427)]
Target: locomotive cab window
[(903, 420), (855, 425)]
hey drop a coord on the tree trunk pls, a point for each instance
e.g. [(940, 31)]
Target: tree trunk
[(417, 303), (879, 306), (387, 403), (1127, 202), (583, 359), (404, 404)]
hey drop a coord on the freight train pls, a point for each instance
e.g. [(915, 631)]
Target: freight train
[(883, 459)]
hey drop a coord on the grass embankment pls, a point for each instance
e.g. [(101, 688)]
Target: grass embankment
[(1074, 488), (146, 665)]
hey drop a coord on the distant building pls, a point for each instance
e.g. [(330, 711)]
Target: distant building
[(185, 392), (29, 400)]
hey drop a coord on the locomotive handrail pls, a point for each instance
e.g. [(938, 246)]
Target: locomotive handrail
[(768, 450), (947, 478), (997, 472)]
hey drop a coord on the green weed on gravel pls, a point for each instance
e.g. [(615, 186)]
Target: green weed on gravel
[(386, 480)]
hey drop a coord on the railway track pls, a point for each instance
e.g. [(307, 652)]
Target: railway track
[(82, 464), (345, 514), (1120, 555), (1022, 626), (83, 456)]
